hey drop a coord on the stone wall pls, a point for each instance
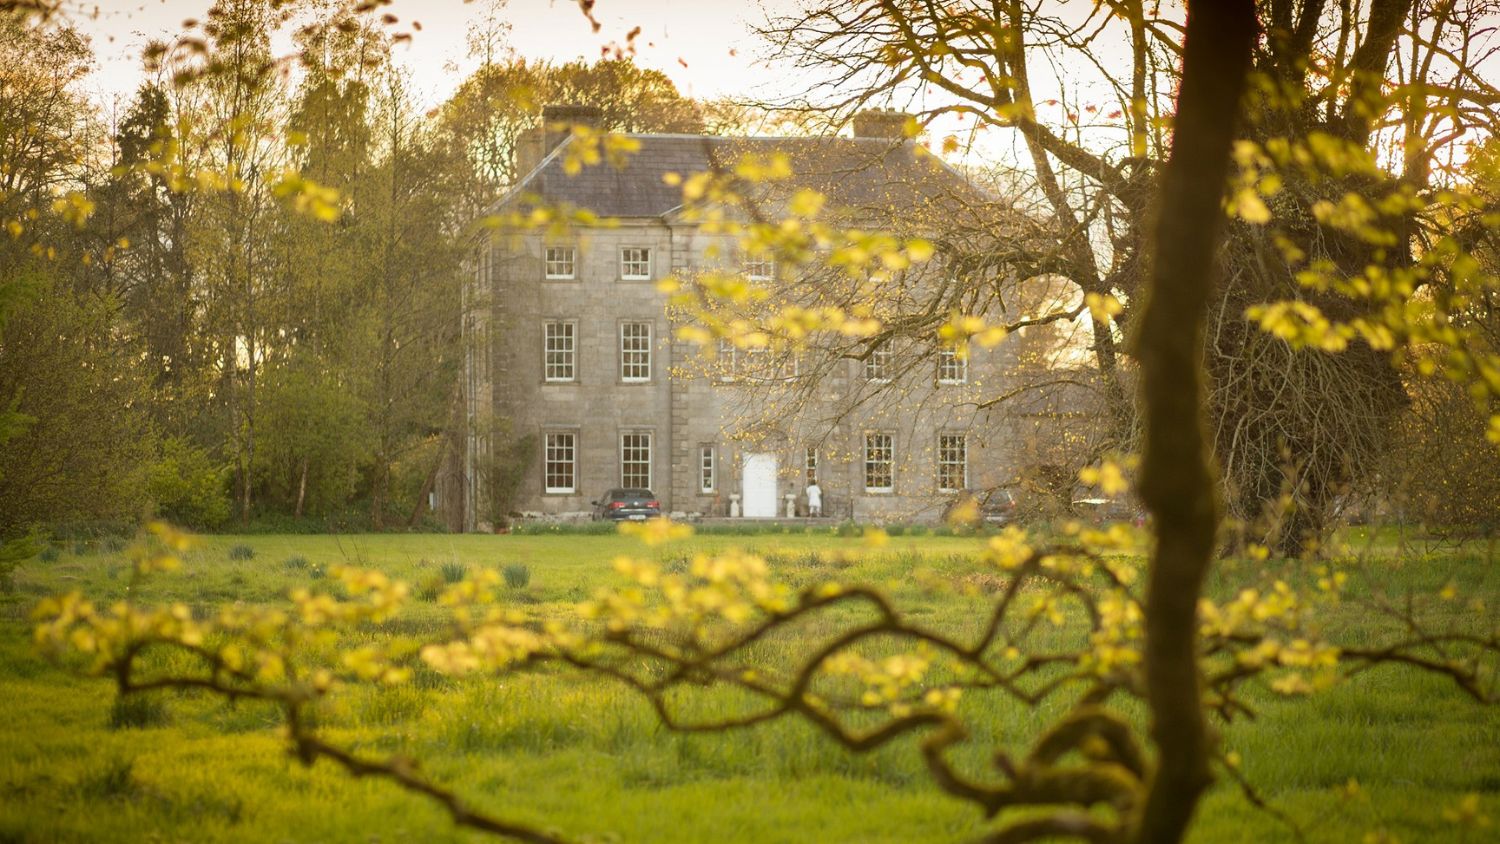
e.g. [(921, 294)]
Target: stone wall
[(689, 411)]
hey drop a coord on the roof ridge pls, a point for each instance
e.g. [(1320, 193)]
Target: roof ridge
[(707, 137)]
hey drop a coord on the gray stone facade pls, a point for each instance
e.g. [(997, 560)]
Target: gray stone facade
[(573, 375)]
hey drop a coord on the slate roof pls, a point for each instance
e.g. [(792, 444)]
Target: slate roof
[(871, 174)]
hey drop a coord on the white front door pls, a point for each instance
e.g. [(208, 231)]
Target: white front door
[(758, 473)]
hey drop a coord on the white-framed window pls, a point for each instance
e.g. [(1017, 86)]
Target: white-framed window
[(727, 362), (878, 364), (559, 351), (880, 462), (760, 269), (757, 364), (706, 468), (635, 351), (560, 463), (952, 462), (952, 369), (562, 262), (810, 466), (635, 460), (635, 263)]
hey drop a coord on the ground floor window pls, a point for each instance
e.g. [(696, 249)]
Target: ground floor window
[(880, 459), (706, 468), (952, 369), (635, 461), (560, 463), (953, 462)]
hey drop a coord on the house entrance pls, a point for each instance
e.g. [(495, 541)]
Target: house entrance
[(758, 479)]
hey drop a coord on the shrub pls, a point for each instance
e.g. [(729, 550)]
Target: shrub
[(517, 575), (432, 587), (91, 529), (242, 552), (115, 780), (315, 571), (848, 529), (186, 485), (454, 571), (297, 562), (542, 528), (137, 711)]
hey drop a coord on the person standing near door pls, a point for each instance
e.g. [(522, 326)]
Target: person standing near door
[(814, 499)]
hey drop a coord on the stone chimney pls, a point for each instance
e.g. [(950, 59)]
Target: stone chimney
[(881, 123), (557, 123)]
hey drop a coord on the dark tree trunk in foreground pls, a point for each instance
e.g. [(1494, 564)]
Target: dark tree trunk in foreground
[(1177, 477)]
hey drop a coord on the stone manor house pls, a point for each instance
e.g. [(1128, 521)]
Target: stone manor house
[(575, 382)]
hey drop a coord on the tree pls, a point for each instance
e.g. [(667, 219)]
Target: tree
[(84, 440), (316, 436), (408, 330), (71, 410), (487, 116), (1092, 138), (241, 94), (667, 633)]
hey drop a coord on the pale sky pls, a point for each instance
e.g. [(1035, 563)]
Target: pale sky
[(706, 47)]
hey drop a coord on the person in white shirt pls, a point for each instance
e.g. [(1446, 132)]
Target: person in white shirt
[(814, 499)]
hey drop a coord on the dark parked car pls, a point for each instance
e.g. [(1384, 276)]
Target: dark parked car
[(1103, 510), (994, 506), (627, 505)]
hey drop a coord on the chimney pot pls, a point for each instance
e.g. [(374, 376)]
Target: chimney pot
[(881, 123)]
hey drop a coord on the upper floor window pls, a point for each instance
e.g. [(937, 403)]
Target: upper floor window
[(760, 269), (810, 466), (953, 462), (635, 351), (952, 369), (878, 364), (880, 462), (560, 351), (635, 263), (727, 362), (562, 262)]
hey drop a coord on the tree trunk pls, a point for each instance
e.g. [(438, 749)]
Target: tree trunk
[(378, 482), (301, 488), (1177, 478)]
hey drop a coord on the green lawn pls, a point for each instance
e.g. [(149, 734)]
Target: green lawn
[(588, 758)]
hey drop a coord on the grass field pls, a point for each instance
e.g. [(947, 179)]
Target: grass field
[(589, 758)]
